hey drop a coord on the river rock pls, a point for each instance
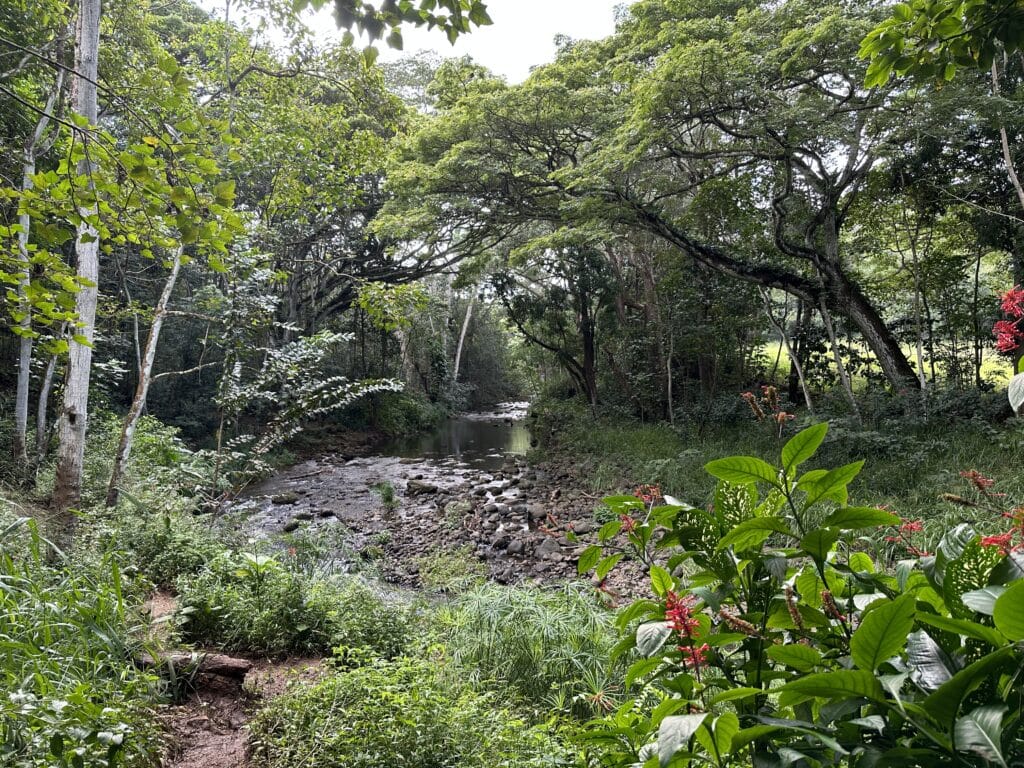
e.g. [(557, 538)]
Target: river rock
[(537, 512), (517, 547), (291, 525), (501, 541), (285, 497), (583, 526), (419, 488), (547, 549)]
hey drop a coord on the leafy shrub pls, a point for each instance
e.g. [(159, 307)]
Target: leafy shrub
[(550, 646), (162, 547), (401, 712), (71, 694), (450, 570), (251, 602), (787, 644)]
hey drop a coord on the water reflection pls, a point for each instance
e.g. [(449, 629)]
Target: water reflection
[(467, 439)]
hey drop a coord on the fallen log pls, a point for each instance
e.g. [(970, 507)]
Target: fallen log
[(198, 663)]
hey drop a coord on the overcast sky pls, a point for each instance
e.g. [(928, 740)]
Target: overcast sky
[(522, 35)]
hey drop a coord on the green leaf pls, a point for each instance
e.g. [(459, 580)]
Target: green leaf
[(751, 533), (800, 657), (605, 566), (930, 666), (675, 733), (743, 470), (944, 703), (588, 559), (841, 684), (983, 600), (981, 732), (882, 633), (853, 518), (1015, 392), (661, 581), (1008, 612), (833, 485), (650, 636), (819, 542), (737, 694), (802, 446), (609, 530), (963, 627)]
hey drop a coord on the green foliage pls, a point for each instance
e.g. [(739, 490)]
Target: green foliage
[(451, 570), (786, 641), (548, 646), (251, 602), (72, 694), (403, 712)]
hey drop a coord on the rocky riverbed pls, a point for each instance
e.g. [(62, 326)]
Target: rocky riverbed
[(524, 522)]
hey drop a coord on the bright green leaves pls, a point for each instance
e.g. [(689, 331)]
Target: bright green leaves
[(802, 446), (1008, 612), (841, 684), (742, 470), (661, 581), (882, 633)]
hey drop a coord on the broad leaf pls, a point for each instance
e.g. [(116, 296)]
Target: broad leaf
[(964, 627), (661, 581), (800, 657), (750, 534), (675, 733), (930, 666), (853, 518), (743, 470), (819, 542), (651, 636), (1008, 612), (944, 704), (833, 484), (1015, 392), (882, 633), (588, 559), (840, 684), (801, 447), (983, 600), (981, 732)]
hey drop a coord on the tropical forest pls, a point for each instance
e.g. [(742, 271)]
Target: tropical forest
[(511, 384)]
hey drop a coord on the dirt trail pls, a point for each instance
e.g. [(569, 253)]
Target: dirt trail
[(208, 729)]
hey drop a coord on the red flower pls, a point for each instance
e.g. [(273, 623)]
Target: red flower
[(679, 614), (1000, 540), (911, 526), (980, 482), (648, 493), (1013, 302), (694, 656), (628, 523)]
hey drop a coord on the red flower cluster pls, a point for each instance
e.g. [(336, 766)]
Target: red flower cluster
[(1004, 541), (649, 494), (767, 408), (1009, 334), (907, 529), (680, 619), (628, 523), (981, 482)]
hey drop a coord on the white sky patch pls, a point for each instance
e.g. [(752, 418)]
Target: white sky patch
[(521, 37)]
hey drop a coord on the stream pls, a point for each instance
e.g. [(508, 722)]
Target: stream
[(466, 485)]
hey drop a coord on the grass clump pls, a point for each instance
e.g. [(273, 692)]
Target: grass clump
[(401, 712), (251, 602), (71, 693), (549, 646)]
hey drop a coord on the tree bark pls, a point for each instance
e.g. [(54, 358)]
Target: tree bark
[(124, 446), (31, 150), (462, 337), (844, 375), (793, 358), (42, 409), (74, 410)]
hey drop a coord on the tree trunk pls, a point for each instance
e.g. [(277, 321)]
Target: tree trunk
[(462, 337), (28, 168), (42, 409), (124, 446), (75, 408), (793, 356), (844, 376)]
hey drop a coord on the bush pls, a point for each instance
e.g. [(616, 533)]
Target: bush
[(72, 695), (162, 547), (250, 602), (550, 646), (401, 712)]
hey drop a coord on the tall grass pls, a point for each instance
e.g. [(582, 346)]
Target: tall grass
[(72, 695)]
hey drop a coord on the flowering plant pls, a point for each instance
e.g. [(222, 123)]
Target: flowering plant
[(774, 638), (1009, 334)]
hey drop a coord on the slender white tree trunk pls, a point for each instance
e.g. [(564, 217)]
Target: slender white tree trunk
[(844, 375), (793, 357), (124, 446), (28, 169), (462, 336), (42, 409), (71, 424)]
